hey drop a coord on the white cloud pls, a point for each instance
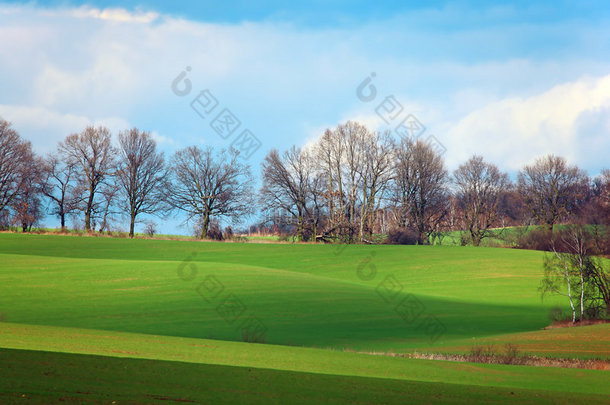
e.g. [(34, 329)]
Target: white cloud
[(45, 127), (516, 130), (109, 14)]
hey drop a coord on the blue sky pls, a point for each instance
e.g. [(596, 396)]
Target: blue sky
[(511, 81)]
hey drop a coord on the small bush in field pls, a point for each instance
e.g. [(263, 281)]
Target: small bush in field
[(150, 229), (401, 237)]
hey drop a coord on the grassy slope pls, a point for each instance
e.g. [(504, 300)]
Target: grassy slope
[(307, 295), (294, 359)]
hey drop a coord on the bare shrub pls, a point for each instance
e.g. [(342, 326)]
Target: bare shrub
[(228, 233), (536, 239), (150, 229), (511, 355), (402, 237)]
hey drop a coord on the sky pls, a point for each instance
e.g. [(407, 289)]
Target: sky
[(511, 81)]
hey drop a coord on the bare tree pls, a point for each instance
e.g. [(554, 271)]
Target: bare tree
[(329, 151), (288, 185), (15, 155), (106, 208), (377, 172), (141, 175), (91, 151), (601, 197), (550, 188), (341, 157), (355, 140), (57, 185), (479, 190), (207, 185), (27, 205), (420, 188)]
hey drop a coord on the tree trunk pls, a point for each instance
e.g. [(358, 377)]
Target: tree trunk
[(88, 220), (88, 213), (205, 225), (476, 239), (132, 225), (62, 219), (570, 297), (582, 290)]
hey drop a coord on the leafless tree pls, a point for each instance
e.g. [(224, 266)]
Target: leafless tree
[(513, 211), (328, 152), (58, 179), (141, 175), (105, 209), (601, 197), (91, 151), (206, 185), (550, 188), (150, 229), (15, 155), (289, 184), (355, 138), (479, 189), (27, 204), (376, 174), (419, 188), (341, 158)]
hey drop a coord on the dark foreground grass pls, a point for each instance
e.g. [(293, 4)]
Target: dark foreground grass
[(46, 378)]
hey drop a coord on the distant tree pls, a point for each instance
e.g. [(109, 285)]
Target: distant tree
[(105, 210), (92, 152), (150, 229), (600, 199), (289, 186), (58, 178), (551, 188), (27, 205), (342, 163), (207, 185), (328, 152), (512, 208), (419, 189), (141, 175), (480, 186), (15, 155), (376, 175)]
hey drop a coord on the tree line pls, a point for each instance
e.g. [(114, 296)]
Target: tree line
[(354, 183), (349, 186), (88, 176)]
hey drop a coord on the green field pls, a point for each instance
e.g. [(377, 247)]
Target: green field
[(175, 302)]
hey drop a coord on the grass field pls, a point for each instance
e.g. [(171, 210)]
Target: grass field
[(171, 302)]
